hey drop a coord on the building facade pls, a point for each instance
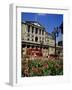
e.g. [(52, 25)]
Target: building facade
[(36, 40)]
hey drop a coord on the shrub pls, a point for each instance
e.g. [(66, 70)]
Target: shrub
[(45, 67)]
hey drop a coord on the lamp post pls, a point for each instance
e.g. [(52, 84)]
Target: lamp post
[(55, 34), (61, 28)]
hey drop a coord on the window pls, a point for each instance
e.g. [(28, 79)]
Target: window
[(43, 39), (28, 46), (23, 46), (46, 47), (32, 46), (36, 31), (48, 40), (32, 39), (36, 39), (40, 39), (32, 36), (40, 31), (28, 28), (28, 35), (32, 29), (28, 39)]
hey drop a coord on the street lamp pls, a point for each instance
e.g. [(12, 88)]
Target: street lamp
[(55, 34)]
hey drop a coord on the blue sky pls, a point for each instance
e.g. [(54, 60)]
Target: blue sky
[(49, 21)]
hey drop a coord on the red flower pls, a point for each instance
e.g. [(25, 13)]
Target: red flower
[(45, 65), (34, 69)]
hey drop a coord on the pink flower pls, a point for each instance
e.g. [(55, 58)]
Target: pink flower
[(45, 65)]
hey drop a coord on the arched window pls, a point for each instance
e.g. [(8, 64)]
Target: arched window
[(28, 46)]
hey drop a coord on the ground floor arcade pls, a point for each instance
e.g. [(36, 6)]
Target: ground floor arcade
[(37, 49)]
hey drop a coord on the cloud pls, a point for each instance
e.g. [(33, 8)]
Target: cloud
[(41, 14)]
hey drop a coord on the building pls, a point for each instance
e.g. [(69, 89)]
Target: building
[(36, 40)]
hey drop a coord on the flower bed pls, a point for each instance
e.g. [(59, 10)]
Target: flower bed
[(44, 67)]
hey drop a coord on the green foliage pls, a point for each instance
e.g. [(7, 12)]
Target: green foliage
[(45, 68)]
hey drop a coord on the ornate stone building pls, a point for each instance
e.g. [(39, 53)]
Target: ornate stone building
[(36, 40)]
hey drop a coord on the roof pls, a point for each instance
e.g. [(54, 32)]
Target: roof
[(34, 23)]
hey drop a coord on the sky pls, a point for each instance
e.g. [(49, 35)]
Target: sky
[(48, 21)]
